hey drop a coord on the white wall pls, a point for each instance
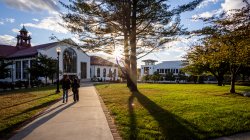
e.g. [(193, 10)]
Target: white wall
[(13, 69), (94, 72), (164, 65), (81, 57)]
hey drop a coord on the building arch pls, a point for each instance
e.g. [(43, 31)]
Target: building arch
[(69, 61), (104, 72), (98, 72)]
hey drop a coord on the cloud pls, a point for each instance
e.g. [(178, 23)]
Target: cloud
[(7, 20), (35, 19), (10, 20), (7, 40), (33, 5), (206, 2), (206, 14), (15, 30), (232, 4), (49, 23)]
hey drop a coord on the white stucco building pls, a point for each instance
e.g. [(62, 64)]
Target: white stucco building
[(73, 61), (162, 68), (103, 70)]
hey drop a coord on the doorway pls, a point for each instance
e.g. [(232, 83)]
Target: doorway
[(83, 70)]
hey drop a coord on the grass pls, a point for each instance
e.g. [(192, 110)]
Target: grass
[(19, 106), (177, 111)]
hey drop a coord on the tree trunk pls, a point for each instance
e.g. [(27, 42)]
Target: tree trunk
[(133, 63), (126, 45), (220, 79), (52, 79), (233, 78), (45, 80)]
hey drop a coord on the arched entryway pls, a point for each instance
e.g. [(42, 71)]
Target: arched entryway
[(70, 62)]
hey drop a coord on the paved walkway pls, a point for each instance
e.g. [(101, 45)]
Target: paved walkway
[(83, 120), (241, 136)]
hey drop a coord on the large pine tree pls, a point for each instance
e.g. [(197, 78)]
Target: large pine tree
[(140, 26)]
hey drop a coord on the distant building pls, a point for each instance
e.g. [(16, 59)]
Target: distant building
[(162, 68), (103, 70), (73, 60)]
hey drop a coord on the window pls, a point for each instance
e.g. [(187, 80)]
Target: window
[(98, 72), (114, 72), (104, 72), (168, 70), (177, 71), (158, 70), (110, 72), (146, 70), (69, 61), (25, 71), (161, 70), (18, 69)]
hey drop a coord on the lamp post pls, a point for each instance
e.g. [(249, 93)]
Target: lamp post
[(58, 50)]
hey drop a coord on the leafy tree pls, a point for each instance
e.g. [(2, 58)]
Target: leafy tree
[(4, 70), (156, 76), (230, 32), (43, 66), (169, 76), (204, 58), (182, 75), (245, 72), (146, 77), (140, 26)]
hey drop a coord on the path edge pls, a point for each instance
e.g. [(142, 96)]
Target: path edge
[(28, 121), (109, 118)]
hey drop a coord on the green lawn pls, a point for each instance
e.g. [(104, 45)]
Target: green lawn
[(19, 106), (177, 111)]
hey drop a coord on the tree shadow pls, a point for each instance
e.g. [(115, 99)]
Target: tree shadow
[(132, 118), (29, 129), (171, 126), (28, 101)]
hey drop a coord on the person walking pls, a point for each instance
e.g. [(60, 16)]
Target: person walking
[(65, 86), (75, 89)]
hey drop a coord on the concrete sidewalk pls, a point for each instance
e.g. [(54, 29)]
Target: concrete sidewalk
[(83, 120)]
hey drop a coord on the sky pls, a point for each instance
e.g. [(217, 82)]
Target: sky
[(41, 18)]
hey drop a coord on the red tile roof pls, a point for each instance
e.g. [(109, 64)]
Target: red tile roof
[(6, 50), (96, 60), (15, 52)]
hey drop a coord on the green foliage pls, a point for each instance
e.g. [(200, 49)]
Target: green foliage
[(4, 70), (43, 66), (177, 111), (182, 75), (156, 76), (169, 76), (225, 46)]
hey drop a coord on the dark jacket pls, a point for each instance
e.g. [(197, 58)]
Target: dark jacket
[(66, 84), (75, 85)]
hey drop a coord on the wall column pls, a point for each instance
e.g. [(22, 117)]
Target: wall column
[(29, 73), (21, 70)]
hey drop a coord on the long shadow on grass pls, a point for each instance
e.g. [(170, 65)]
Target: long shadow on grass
[(32, 109), (28, 101), (23, 91), (172, 126), (27, 130), (133, 125)]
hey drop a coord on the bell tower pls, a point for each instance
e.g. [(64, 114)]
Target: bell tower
[(23, 40)]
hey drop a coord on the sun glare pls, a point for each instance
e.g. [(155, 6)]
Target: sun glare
[(117, 53)]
